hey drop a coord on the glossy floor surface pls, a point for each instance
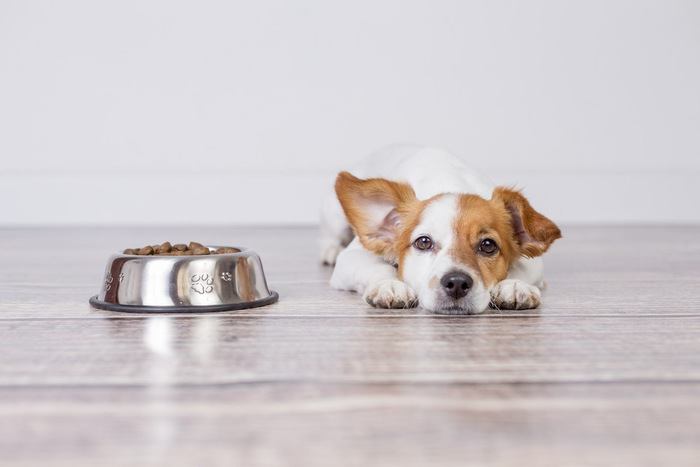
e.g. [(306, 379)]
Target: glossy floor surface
[(606, 372)]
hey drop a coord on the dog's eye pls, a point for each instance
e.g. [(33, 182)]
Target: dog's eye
[(488, 247), (423, 243)]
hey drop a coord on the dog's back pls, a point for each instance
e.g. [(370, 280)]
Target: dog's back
[(428, 170)]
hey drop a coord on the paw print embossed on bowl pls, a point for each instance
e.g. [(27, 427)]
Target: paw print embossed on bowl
[(202, 283)]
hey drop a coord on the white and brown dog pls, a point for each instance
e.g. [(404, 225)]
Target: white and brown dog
[(429, 231)]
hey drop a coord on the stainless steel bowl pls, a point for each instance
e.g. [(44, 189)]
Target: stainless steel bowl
[(216, 282)]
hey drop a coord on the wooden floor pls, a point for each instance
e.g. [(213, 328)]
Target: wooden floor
[(606, 373)]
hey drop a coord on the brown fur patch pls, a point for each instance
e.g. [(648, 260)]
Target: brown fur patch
[(476, 220), (508, 219), (533, 232)]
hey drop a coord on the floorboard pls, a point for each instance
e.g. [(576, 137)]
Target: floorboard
[(606, 372)]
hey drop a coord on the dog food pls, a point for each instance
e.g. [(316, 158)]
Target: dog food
[(179, 249)]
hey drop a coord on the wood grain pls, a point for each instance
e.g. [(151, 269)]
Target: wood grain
[(607, 372)]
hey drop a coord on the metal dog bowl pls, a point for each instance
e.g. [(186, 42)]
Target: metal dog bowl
[(216, 282)]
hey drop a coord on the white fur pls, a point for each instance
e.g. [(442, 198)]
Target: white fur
[(515, 294), (390, 293), (359, 269), (430, 172)]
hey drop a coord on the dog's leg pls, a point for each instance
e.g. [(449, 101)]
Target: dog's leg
[(335, 230), (522, 289), (364, 272)]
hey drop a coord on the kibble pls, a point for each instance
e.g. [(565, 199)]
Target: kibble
[(164, 247), (226, 249), (178, 249), (145, 251)]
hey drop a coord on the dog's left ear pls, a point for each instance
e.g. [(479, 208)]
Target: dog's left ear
[(533, 231), (374, 208)]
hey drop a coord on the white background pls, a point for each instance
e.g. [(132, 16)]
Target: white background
[(130, 112)]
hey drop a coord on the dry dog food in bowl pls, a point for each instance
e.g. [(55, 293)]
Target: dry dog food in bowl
[(179, 249), (182, 277)]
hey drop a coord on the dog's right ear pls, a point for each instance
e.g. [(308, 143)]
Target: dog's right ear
[(533, 231), (374, 208)]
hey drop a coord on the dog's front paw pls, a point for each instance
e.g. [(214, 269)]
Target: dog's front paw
[(513, 294), (390, 293)]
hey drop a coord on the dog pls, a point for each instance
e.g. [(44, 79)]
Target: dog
[(414, 225)]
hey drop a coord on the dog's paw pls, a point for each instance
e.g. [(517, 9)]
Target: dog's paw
[(330, 252), (390, 293), (513, 294)]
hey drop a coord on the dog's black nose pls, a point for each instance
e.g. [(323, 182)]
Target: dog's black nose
[(456, 284)]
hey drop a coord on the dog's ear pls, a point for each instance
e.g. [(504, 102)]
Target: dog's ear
[(374, 208), (533, 231)]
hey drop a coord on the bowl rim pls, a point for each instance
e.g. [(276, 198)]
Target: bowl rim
[(242, 251)]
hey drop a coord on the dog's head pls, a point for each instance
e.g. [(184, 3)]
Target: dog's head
[(451, 248)]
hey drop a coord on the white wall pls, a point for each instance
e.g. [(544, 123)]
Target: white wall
[(240, 112)]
